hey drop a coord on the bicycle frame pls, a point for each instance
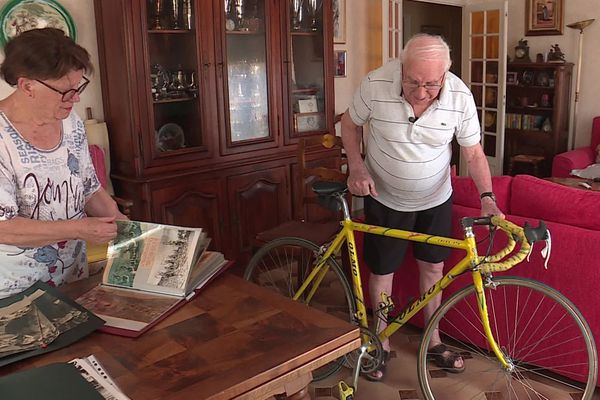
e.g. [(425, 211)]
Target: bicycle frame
[(469, 262)]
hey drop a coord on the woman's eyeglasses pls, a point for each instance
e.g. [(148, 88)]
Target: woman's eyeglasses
[(67, 95)]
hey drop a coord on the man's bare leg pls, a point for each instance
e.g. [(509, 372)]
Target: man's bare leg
[(429, 274), (379, 284)]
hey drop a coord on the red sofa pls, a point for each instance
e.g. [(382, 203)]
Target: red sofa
[(564, 163), (573, 218)]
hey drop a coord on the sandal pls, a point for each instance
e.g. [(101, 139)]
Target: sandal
[(379, 373), (446, 362)]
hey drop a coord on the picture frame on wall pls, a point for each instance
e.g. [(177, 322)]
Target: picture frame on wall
[(544, 17), (18, 16), (339, 57), (339, 21)]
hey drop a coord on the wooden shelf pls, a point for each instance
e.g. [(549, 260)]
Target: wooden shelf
[(174, 100), (170, 31)]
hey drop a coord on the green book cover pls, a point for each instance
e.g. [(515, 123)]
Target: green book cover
[(60, 381)]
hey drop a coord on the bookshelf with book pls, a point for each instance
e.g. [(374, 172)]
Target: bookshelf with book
[(537, 111)]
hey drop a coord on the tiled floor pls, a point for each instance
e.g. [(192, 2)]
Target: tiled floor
[(400, 381)]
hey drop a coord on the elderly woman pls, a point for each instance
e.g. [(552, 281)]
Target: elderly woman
[(51, 202)]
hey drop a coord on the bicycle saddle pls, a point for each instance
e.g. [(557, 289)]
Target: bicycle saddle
[(323, 188)]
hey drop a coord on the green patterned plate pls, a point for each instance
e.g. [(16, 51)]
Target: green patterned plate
[(22, 15)]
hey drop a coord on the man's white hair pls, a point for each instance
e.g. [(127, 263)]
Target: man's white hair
[(423, 46)]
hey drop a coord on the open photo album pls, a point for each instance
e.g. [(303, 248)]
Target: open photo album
[(152, 269)]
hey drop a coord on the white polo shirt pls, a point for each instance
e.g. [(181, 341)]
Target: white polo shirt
[(410, 162)]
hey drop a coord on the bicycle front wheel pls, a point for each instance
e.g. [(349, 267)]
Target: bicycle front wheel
[(547, 342), (283, 264)]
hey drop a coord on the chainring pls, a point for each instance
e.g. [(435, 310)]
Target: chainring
[(370, 361)]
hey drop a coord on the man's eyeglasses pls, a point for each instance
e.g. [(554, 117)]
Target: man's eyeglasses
[(429, 86), (67, 95)]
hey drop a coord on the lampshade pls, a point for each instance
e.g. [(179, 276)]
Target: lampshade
[(581, 24)]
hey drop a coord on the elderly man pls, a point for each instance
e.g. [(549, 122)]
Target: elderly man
[(414, 107)]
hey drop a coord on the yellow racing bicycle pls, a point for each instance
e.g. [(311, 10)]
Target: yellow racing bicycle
[(520, 338)]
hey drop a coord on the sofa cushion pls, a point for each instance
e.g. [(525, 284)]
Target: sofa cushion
[(537, 198), (466, 193)]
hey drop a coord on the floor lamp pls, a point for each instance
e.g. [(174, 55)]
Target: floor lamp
[(581, 25)]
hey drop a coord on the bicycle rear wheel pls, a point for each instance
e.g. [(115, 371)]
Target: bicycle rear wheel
[(283, 264), (544, 336)]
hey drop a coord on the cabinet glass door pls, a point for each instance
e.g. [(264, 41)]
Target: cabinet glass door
[(174, 85), (246, 43), (307, 67)]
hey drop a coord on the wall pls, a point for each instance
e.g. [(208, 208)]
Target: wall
[(575, 10), (363, 45), (82, 12)]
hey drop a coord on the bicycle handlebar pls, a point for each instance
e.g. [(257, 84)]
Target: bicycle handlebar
[(527, 235)]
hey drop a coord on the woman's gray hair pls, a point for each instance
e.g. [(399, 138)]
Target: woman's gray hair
[(423, 46)]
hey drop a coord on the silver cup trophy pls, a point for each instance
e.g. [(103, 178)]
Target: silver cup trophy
[(187, 14), (297, 14), (157, 14), (175, 16), (312, 7)]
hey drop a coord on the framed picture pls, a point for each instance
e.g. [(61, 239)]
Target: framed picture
[(512, 78), (308, 105), (339, 21), (22, 15), (306, 122), (340, 63), (544, 17)]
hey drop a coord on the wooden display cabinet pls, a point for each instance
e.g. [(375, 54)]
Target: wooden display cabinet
[(537, 111), (202, 99)]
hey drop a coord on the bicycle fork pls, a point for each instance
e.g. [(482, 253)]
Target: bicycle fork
[(507, 364)]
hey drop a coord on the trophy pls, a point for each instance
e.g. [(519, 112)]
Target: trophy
[(229, 22), (158, 10), (187, 14), (191, 86), (160, 81), (239, 12), (296, 14), (312, 7), (175, 16)]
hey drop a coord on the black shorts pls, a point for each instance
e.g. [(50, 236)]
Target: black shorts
[(384, 255)]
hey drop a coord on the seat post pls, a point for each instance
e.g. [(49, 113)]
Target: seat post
[(345, 209)]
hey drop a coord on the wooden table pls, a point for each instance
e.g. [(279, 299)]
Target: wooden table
[(574, 182), (234, 340)]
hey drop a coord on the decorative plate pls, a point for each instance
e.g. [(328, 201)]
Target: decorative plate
[(169, 137), (22, 15)]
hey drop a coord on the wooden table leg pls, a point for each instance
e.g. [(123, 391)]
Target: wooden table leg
[(303, 394), (298, 389)]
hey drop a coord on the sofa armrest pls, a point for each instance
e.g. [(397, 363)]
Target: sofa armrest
[(563, 163)]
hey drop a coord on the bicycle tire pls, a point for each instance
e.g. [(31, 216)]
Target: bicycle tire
[(279, 263), (538, 328)]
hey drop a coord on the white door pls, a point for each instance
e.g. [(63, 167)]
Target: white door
[(484, 71)]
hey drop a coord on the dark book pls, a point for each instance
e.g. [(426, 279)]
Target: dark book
[(39, 320)]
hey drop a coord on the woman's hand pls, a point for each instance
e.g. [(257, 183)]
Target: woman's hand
[(98, 230)]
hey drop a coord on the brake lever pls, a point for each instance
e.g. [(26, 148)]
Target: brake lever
[(547, 250)]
